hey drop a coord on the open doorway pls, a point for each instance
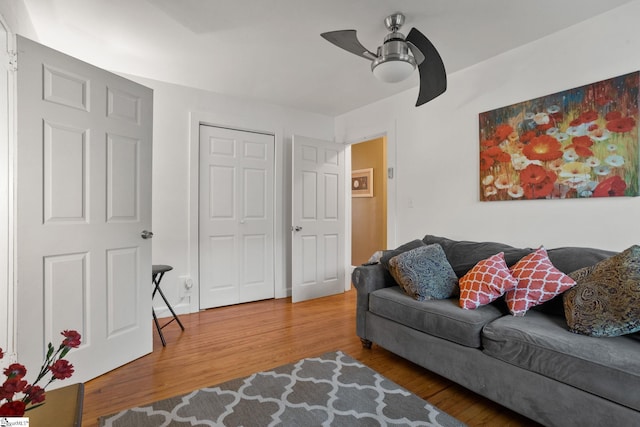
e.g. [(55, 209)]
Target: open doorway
[(369, 209)]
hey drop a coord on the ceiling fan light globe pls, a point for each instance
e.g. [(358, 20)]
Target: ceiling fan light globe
[(394, 62), (393, 71)]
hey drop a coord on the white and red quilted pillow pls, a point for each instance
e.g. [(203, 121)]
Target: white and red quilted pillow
[(538, 281), (487, 281)]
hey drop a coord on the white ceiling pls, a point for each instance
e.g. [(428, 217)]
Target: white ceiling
[(271, 50)]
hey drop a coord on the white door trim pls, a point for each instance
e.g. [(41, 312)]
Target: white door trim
[(390, 133), (197, 118), (7, 195)]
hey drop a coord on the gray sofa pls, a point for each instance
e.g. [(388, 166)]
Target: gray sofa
[(531, 364)]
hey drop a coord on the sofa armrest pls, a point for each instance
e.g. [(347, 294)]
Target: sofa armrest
[(366, 279)]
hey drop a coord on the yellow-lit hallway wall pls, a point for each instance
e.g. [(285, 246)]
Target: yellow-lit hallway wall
[(369, 214)]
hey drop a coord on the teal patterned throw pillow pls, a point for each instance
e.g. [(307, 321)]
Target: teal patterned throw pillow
[(424, 273)]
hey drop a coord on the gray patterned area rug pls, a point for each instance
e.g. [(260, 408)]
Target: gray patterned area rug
[(329, 390)]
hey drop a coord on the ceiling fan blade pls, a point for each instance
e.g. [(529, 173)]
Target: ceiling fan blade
[(433, 76), (347, 40), (417, 55)]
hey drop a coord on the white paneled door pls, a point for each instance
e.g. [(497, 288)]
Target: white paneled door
[(318, 229), (83, 199), (236, 235)]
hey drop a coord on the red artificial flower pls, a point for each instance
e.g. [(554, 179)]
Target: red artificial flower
[(610, 187), (72, 339), (543, 147), (1, 354), (15, 370), (502, 132), (588, 116), (35, 394), (613, 115), (14, 408), (61, 369), (13, 385), (621, 125)]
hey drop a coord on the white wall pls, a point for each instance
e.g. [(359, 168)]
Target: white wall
[(177, 111), (436, 145)]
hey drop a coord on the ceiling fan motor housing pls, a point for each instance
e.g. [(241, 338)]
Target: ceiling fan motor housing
[(394, 48)]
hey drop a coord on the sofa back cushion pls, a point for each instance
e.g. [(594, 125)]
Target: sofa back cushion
[(464, 255)]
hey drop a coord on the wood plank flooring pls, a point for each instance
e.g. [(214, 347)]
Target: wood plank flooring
[(230, 342)]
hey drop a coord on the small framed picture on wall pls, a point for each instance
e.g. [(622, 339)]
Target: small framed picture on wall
[(362, 183)]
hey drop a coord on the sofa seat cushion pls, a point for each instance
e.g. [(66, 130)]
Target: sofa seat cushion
[(441, 318), (606, 367)]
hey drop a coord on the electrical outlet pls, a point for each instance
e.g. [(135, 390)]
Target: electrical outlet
[(185, 283)]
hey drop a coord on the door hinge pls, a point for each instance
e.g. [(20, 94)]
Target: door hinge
[(13, 60)]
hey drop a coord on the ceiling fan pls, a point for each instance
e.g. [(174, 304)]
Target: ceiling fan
[(398, 56)]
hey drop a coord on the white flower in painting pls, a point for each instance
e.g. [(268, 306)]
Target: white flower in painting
[(502, 182), (592, 162), (488, 180), (490, 191), (612, 148), (570, 155), (515, 191), (600, 134), (575, 173), (519, 161), (614, 160), (579, 130), (552, 131), (561, 136), (553, 109), (601, 170), (541, 118)]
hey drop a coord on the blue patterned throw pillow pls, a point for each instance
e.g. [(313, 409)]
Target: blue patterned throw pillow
[(424, 273)]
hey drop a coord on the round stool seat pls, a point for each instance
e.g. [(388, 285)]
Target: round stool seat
[(160, 268)]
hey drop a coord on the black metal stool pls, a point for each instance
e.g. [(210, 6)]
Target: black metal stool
[(157, 274)]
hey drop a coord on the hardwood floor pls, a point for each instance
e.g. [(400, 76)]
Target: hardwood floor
[(230, 342)]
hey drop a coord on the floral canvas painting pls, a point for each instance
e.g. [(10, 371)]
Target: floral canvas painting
[(578, 143)]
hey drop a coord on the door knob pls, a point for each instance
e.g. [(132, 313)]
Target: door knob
[(297, 228), (146, 234)]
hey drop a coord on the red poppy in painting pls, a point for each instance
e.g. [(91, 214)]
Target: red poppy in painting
[(543, 147), (613, 115), (621, 125), (545, 126), (576, 122), (527, 136), (610, 187), (502, 132), (491, 155), (533, 174), (537, 183), (497, 154), (588, 116), (580, 145), (486, 162), (489, 143)]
